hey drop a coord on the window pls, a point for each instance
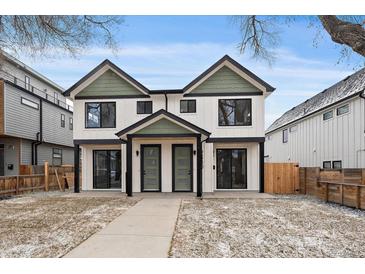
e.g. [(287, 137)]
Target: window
[(336, 164), (57, 157), (342, 110), (100, 115), (27, 82), (234, 112), (55, 97), (327, 164), (293, 129), (29, 103), (144, 107), (63, 122), (187, 106), (71, 124), (327, 115), (285, 135)]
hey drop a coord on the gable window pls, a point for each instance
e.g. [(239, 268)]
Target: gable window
[(27, 82), (100, 115), (234, 112), (327, 164), (336, 164), (71, 123), (342, 110), (327, 115), (285, 135), (144, 107), (29, 103), (187, 106), (56, 157), (63, 121)]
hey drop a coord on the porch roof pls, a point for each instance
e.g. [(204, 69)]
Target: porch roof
[(162, 124)]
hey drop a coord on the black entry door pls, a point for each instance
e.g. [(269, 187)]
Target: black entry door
[(231, 169), (151, 168), (107, 169)]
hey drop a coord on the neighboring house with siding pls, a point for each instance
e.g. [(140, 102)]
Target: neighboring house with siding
[(325, 131), (205, 137), (36, 123)]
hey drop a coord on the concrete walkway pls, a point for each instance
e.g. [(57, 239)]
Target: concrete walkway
[(145, 230)]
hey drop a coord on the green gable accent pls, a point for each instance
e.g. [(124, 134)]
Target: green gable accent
[(109, 84), (225, 80), (163, 126)]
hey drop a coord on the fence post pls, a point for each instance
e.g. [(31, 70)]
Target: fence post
[(46, 177), (17, 185)]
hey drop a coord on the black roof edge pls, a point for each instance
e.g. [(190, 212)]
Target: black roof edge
[(168, 114), (167, 91), (226, 57), (105, 62)]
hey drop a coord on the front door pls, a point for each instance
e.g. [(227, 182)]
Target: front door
[(182, 167), (151, 167), (107, 169), (231, 169)]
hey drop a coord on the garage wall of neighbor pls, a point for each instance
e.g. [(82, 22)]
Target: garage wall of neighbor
[(45, 154), (26, 152), (11, 155)]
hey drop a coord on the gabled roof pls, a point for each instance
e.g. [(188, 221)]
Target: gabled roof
[(163, 113), (197, 80), (97, 68), (350, 86)]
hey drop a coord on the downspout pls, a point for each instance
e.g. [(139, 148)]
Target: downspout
[(39, 137), (166, 101)]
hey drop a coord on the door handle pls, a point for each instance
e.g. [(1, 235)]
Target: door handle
[(189, 172)]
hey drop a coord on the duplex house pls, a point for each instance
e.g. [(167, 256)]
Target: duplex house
[(205, 137), (36, 123), (325, 131)]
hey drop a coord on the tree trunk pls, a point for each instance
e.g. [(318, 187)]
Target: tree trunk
[(345, 33)]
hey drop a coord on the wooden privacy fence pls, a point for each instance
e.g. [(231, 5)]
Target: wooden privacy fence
[(282, 178), (343, 186), (35, 178)]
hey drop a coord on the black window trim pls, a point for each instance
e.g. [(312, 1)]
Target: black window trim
[(22, 99), (101, 126), (287, 136), (329, 111), (144, 108), (71, 123), (324, 162), (53, 153), (63, 121), (345, 105), (236, 99), (188, 100), (337, 161)]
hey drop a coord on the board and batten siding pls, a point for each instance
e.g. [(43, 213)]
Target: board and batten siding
[(340, 138)]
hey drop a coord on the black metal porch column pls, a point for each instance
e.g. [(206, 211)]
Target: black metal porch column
[(129, 189), (77, 168), (199, 163), (262, 167)]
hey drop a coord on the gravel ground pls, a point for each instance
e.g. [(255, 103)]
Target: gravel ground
[(294, 226), (50, 224)]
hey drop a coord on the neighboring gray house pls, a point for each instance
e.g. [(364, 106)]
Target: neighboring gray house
[(36, 123), (325, 131)]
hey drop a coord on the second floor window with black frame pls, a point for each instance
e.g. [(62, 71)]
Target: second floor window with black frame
[(63, 120), (100, 115), (144, 107), (234, 112)]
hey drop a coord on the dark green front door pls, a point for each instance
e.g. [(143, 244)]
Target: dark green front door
[(151, 167), (182, 167)]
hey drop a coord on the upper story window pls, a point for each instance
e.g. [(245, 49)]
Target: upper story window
[(285, 136), (327, 164), (100, 115), (55, 97), (342, 110), (234, 112), (27, 82), (336, 164), (29, 103), (187, 106), (327, 115), (71, 123), (144, 107), (63, 120)]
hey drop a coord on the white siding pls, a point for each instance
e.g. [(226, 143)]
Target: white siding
[(339, 138)]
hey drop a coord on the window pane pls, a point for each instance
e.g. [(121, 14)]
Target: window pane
[(285, 135), (337, 164), (108, 115), (191, 106), (226, 112), (342, 110), (148, 107), (93, 115), (327, 164), (183, 106), (328, 115), (243, 112), (140, 107)]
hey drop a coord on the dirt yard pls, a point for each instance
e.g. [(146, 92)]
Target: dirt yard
[(50, 225), (280, 227)]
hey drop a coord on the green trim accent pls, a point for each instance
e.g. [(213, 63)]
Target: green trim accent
[(225, 81), (109, 84), (163, 126)]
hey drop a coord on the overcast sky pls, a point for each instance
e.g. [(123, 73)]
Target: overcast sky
[(169, 51)]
